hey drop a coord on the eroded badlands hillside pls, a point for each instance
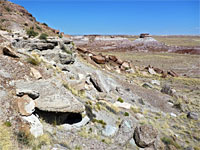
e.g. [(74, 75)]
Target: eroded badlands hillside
[(58, 96)]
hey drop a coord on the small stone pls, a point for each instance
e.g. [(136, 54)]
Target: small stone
[(192, 115), (189, 148), (130, 71), (35, 73), (155, 82), (141, 101), (172, 114), (147, 85), (109, 131)]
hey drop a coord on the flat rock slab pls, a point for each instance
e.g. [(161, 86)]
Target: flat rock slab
[(53, 96)]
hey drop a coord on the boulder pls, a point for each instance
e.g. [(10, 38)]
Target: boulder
[(157, 70), (119, 61), (102, 83), (35, 73), (66, 58), (168, 90), (96, 83), (54, 97), (36, 128), (151, 71), (125, 132), (26, 105), (7, 51), (164, 74), (125, 65), (145, 136), (113, 58), (172, 73), (99, 59), (82, 50)]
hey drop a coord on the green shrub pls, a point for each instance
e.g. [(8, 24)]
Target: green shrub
[(43, 36), (31, 33), (60, 36), (7, 124), (38, 27), (45, 24), (34, 60), (120, 100), (23, 138), (126, 114)]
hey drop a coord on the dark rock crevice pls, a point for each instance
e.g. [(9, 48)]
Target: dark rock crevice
[(59, 118)]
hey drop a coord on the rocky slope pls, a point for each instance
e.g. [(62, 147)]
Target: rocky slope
[(59, 97), (15, 18)]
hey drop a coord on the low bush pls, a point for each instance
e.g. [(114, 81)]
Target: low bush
[(43, 36), (7, 124), (126, 114), (120, 100), (45, 24), (31, 33), (39, 28), (60, 36), (34, 60)]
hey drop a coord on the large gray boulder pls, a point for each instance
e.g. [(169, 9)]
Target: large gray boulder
[(102, 83), (145, 135), (53, 97)]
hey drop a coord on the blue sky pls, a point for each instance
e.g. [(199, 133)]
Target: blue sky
[(157, 17)]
